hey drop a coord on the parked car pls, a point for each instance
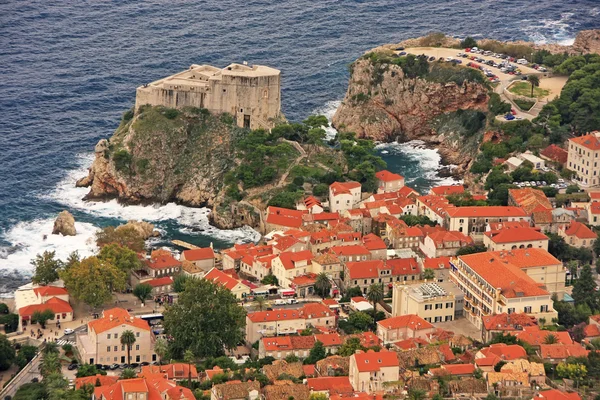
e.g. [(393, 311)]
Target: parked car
[(448, 58), (114, 366), (513, 111), (144, 363), (399, 48), (402, 53), (509, 117), (432, 58), (69, 331), (73, 366)]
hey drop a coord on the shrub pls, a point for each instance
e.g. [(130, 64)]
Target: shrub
[(320, 189), (298, 181), (468, 42), (127, 115), (497, 106), (122, 160), (142, 165), (171, 113), (524, 105)]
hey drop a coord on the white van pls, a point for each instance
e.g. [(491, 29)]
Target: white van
[(487, 53), (522, 61), (281, 302)]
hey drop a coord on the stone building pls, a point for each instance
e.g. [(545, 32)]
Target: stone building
[(583, 159), (250, 93)]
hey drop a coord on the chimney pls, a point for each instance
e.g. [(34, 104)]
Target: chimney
[(211, 245), (111, 317)]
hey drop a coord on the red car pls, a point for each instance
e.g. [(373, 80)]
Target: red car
[(468, 50), (513, 111)]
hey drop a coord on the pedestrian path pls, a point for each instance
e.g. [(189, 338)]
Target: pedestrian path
[(62, 342)]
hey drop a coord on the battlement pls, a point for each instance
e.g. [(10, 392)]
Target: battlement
[(251, 93)]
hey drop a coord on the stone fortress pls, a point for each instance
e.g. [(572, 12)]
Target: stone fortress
[(251, 93)]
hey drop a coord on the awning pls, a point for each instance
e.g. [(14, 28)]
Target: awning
[(288, 292)]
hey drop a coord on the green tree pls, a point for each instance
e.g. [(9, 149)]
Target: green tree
[(542, 321), (534, 81), (260, 302), (476, 248), (93, 280), (128, 373), (46, 268), (26, 354), (428, 274), (468, 42), (7, 353), (121, 257), (270, 279), (10, 321), (417, 394), (206, 319), (161, 348), (350, 346), (317, 353), (584, 289), (31, 391), (179, 283), (142, 291), (88, 370), (360, 321), (124, 236), (127, 340), (316, 121), (291, 358), (320, 189), (318, 396), (189, 358), (375, 295), (550, 339), (41, 317), (575, 372), (50, 364), (322, 285)]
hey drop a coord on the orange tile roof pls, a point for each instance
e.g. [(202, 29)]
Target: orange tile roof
[(205, 253), (285, 242), (437, 263), (535, 336), (580, 231), (410, 321), (589, 141), (562, 351), (530, 199), (352, 250), (115, 317), (368, 339), (487, 211), (303, 280), (371, 361), (555, 394), (516, 235), (289, 259), (496, 226), (387, 176), (500, 273), (507, 322), (45, 291), (309, 310), (338, 188), (316, 310), (333, 384), (329, 339), (555, 153), (364, 269), (411, 343), (592, 331), (91, 380), (284, 217), (309, 370), (441, 238), (504, 351), (56, 305), (459, 369), (217, 276), (447, 190), (158, 282), (180, 393), (163, 261), (373, 242), (402, 266), (358, 299), (595, 208)]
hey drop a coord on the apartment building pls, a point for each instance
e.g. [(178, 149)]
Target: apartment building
[(578, 235), (364, 273), (369, 371), (102, 342), (388, 181), (289, 265), (444, 243), (515, 238), (434, 302), (493, 284), (344, 196), (584, 159), (473, 220), (403, 327)]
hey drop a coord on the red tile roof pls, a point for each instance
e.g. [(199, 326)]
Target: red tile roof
[(91, 380), (410, 321), (592, 331), (562, 351), (530, 199), (580, 231), (205, 253), (507, 322), (352, 250), (115, 317), (221, 278), (303, 280), (387, 176), (56, 305), (437, 263), (555, 153), (402, 266), (447, 190), (329, 339), (443, 238), (459, 369), (289, 259), (371, 361), (284, 217), (411, 343), (504, 351), (516, 235), (535, 336), (158, 282), (374, 242), (589, 141), (555, 394), (343, 187), (308, 311), (163, 261), (487, 211), (309, 370), (45, 291), (332, 384)]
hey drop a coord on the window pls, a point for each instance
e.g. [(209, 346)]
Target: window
[(544, 308), (527, 310), (438, 306), (511, 310), (438, 319), (137, 334), (116, 348), (427, 306), (449, 305), (108, 349), (116, 335), (137, 346), (108, 336), (448, 318)]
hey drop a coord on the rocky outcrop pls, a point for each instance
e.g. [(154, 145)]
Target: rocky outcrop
[(395, 107), (144, 229), (64, 224), (155, 158), (587, 42)]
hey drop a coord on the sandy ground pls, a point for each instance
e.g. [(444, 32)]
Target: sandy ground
[(554, 85)]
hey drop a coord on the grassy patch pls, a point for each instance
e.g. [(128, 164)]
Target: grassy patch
[(524, 89), (524, 104)]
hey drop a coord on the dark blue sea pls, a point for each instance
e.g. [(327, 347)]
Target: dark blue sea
[(69, 69)]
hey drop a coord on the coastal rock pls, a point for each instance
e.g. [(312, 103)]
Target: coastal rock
[(64, 224), (145, 229), (86, 181), (395, 107), (587, 42)]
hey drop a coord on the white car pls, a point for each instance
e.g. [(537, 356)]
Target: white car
[(448, 59), (522, 61), (69, 331)]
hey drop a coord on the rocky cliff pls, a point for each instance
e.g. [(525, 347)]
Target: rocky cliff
[(383, 103), (587, 42), (161, 155)]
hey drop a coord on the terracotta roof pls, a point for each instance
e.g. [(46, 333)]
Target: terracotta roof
[(45, 291), (217, 276), (487, 211), (437, 263), (555, 394), (443, 238), (91, 380), (56, 305), (338, 188), (387, 176), (289, 259), (115, 317), (410, 321), (373, 242), (507, 322), (459, 369), (158, 282), (411, 343), (516, 235), (205, 253), (364, 269), (594, 208), (592, 331), (316, 310), (309, 370), (352, 250), (447, 190), (580, 231), (589, 141), (359, 299), (368, 339), (332, 384), (280, 367), (521, 378), (311, 201), (163, 261), (402, 266), (562, 351), (284, 217), (504, 351), (326, 259), (555, 153), (371, 361), (304, 280), (535, 336), (285, 390), (329, 339), (283, 243)]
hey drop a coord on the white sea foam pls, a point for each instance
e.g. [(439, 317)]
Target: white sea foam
[(194, 218), (429, 160), (544, 31), (27, 240), (328, 110)]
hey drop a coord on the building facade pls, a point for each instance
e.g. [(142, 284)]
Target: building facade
[(584, 159)]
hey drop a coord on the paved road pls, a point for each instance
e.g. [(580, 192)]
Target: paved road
[(33, 371)]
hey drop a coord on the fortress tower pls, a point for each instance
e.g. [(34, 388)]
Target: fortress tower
[(252, 94)]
